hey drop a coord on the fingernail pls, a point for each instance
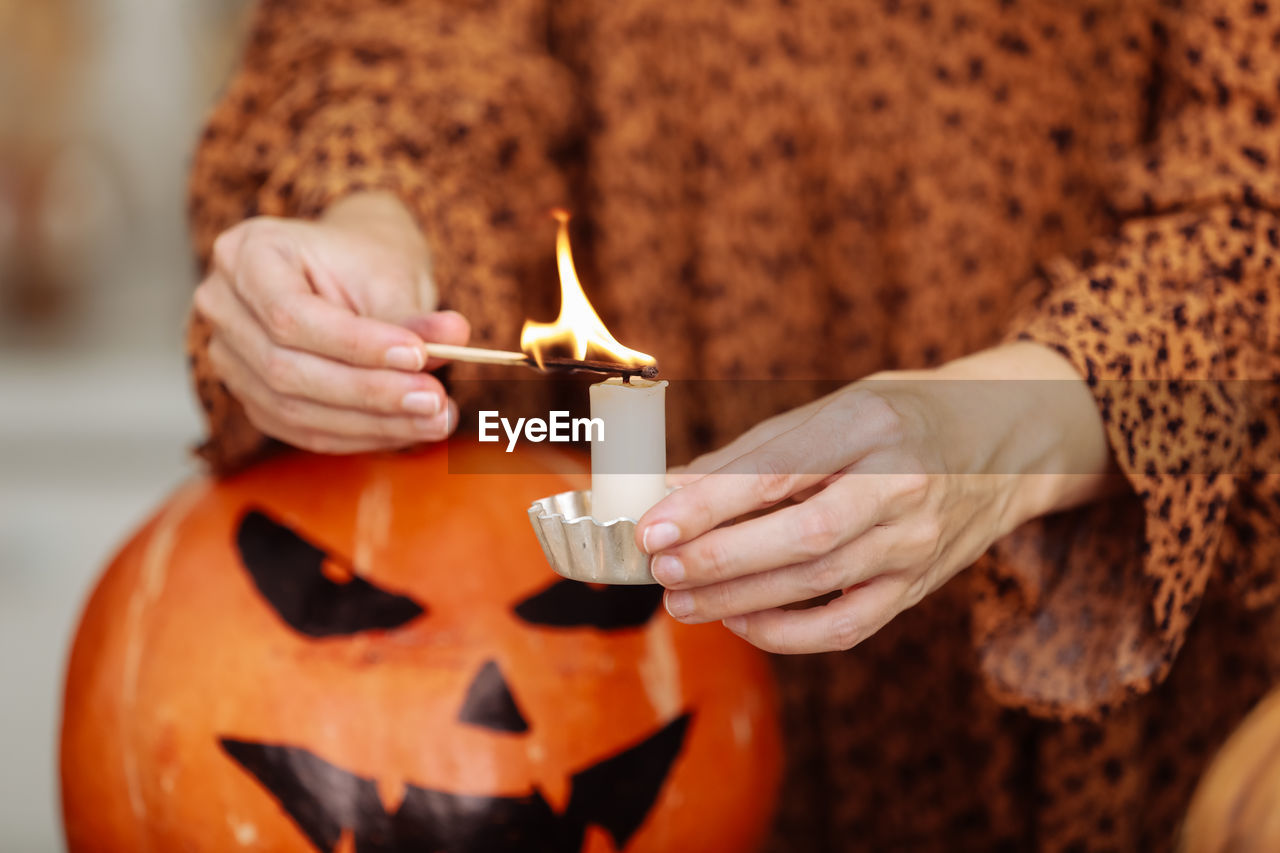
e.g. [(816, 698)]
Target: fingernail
[(659, 536), (421, 403), (431, 427), (679, 604), (668, 570), (736, 624), (404, 358)]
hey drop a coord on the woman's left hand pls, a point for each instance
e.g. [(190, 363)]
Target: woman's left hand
[(880, 493)]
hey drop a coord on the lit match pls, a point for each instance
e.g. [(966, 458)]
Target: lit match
[(578, 331), (476, 355)]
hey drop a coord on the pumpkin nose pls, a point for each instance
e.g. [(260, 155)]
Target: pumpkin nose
[(489, 703)]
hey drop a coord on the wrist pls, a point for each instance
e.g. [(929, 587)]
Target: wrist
[(1024, 416)]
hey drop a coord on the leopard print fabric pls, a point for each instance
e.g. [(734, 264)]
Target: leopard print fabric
[(801, 190)]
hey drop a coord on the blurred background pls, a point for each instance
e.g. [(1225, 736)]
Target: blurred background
[(100, 102)]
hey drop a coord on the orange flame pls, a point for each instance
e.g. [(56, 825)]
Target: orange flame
[(578, 331)]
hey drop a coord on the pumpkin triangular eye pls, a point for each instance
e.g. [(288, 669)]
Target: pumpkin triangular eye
[(298, 580), (619, 792), (570, 604), (489, 703)]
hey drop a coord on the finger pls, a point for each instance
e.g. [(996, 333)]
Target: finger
[(290, 417), (331, 383), (773, 588), (895, 552), (312, 441), (299, 374), (274, 287), (782, 466), (878, 420), (845, 428), (750, 440), (441, 327), (327, 443), (794, 534), (297, 415), (679, 475), (837, 625), (212, 298)]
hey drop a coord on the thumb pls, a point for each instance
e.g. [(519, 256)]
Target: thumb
[(439, 327)]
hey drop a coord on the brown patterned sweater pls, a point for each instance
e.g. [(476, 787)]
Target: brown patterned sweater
[(795, 189)]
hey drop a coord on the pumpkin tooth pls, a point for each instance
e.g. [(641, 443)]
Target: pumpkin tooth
[(391, 792), (554, 785), (336, 572)]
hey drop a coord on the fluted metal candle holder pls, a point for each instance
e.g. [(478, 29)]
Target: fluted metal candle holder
[(582, 549)]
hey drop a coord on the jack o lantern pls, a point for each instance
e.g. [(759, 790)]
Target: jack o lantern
[(370, 654)]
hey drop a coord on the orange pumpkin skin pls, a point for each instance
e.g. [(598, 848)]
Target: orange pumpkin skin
[(182, 660)]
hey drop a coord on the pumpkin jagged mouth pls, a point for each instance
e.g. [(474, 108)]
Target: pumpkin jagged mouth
[(324, 801)]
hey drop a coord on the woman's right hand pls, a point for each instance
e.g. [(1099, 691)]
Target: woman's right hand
[(318, 327)]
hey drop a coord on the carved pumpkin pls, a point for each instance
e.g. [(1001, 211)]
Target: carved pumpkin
[(370, 654)]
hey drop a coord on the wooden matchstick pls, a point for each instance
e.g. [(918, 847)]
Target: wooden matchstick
[(477, 355)]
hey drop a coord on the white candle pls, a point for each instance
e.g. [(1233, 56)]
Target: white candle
[(629, 467)]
